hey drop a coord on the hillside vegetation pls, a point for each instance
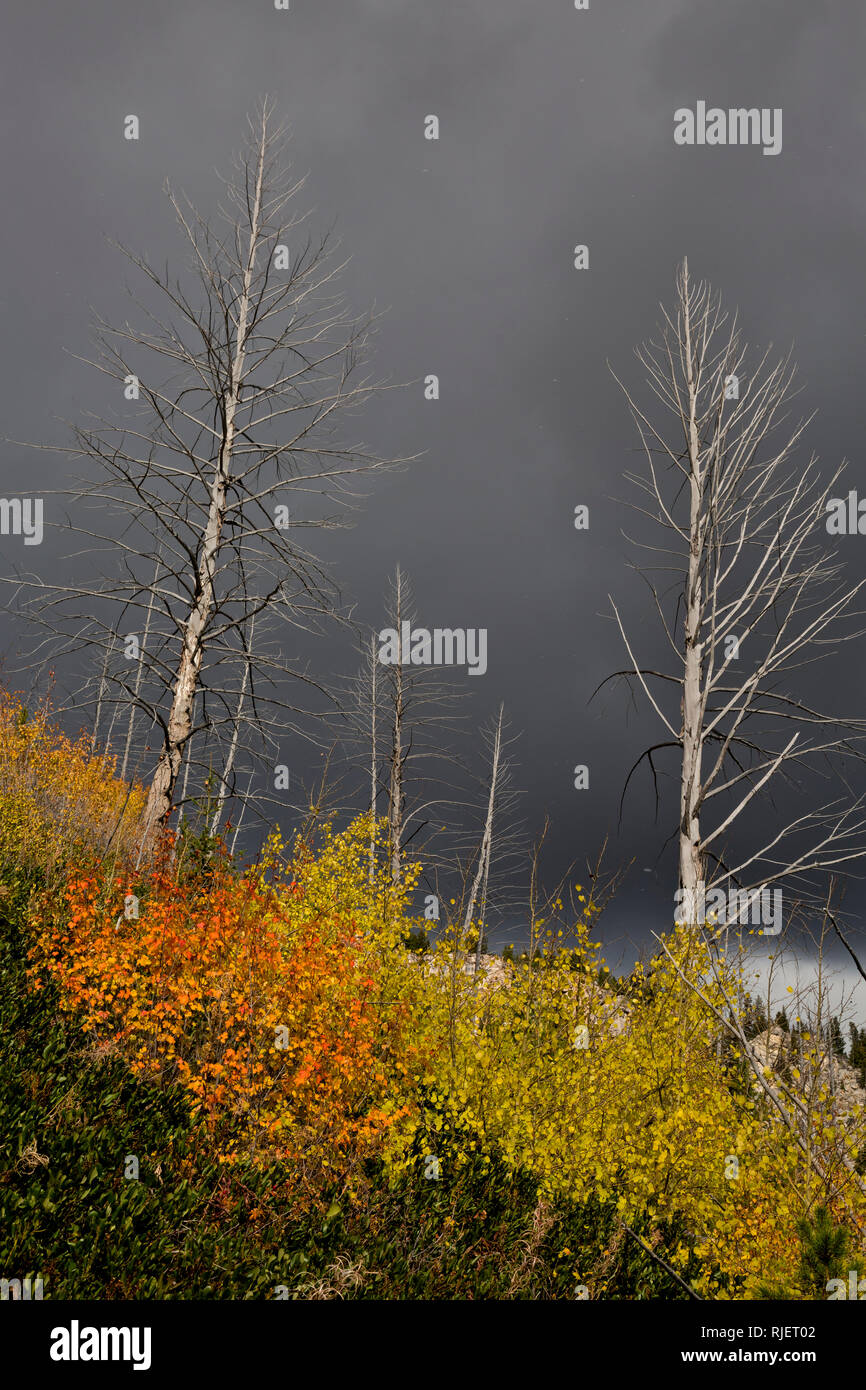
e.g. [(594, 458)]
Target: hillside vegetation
[(235, 1080)]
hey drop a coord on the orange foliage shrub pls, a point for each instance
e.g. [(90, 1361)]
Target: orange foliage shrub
[(281, 1027)]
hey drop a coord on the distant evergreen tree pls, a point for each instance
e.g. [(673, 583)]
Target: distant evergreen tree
[(857, 1051), (416, 940), (837, 1042), (785, 1059), (781, 1021), (754, 1017)]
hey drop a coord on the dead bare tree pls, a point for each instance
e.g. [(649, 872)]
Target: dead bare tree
[(213, 475), (501, 803), (137, 684), (482, 872), (399, 746), (226, 782), (402, 723), (740, 515), (374, 752)]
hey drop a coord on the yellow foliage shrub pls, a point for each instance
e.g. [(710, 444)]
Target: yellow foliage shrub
[(628, 1101), (58, 799)]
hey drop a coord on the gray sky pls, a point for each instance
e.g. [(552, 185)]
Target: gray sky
[(556, 129)]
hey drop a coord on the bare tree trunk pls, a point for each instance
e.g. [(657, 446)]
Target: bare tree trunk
[(486, 842), (399, 722), (374, 663), (240, 819), (188, 760), (396, 794), (691, 867), (138, 675), (102, 682), (744, 519), (179, 726), (236, 728), (265, 359)]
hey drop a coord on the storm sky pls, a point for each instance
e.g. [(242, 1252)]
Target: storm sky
[(556, 129)]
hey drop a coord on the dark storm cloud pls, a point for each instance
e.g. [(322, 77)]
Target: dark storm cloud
[(556, 129)]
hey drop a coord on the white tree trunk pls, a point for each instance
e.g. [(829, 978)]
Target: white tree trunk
[(481, 872), (691, 865), (230, 760), (102, 685), (138, 674), (395, 799), (179, 727), (374, 662)]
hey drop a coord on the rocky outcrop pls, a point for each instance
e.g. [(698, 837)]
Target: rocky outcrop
[(607, 1012), (780, 1052)]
